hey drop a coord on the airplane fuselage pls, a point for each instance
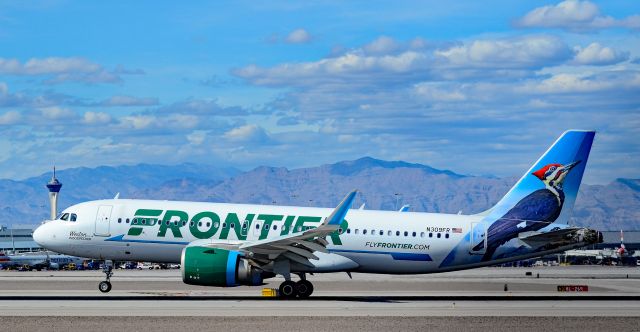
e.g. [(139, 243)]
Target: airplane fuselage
[(368, 240)]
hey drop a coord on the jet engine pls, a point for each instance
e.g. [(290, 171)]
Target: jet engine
[(209, 266)]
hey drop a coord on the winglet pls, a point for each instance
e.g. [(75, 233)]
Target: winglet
[(340, 211)]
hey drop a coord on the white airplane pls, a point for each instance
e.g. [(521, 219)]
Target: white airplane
[(228, 245), (39, 261)]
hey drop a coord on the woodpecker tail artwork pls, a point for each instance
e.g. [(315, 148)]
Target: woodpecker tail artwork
[(544, 195)]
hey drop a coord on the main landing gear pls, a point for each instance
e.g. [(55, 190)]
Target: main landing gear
[(107, 269), (290, 289)]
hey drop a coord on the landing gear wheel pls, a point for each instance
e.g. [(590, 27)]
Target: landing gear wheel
[(288, 290), (304, 288), (107, 269), (104, 286)]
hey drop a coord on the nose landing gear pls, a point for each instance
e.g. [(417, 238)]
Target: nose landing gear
[(107, 269)]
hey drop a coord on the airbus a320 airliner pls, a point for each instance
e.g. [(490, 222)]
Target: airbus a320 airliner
[(229, 245)]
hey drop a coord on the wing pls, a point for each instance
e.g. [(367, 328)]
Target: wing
[(299, 247)]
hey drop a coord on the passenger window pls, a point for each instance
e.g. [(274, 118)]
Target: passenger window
[(200, 224), (127, 220), (191, 224), (275, 228), (230, 225), (406, 233), (348, 230), (397, 233), (430, 234), (421, 234), (413, 234), (224, 225), (381, 232), (446, 235), (73, 217), (439, 235), (119, 220), (389, 233), (356, 231), (364, 231)]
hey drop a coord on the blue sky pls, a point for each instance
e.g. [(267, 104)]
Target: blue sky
[(475, 87)]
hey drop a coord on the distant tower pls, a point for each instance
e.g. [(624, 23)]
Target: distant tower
[(54, 188)]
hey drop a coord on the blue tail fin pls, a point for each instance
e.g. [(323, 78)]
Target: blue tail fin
[(557, 174)]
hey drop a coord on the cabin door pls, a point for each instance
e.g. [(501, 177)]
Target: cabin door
[(102, 220)]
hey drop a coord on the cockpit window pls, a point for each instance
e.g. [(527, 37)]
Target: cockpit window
[(64, 216), (73, 217)]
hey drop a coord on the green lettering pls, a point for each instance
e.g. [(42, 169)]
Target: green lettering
[(173, 225), (335, 236), (143, 217), (268, 220), (241, 232), (207, 234), (286, 227), (300, 223)]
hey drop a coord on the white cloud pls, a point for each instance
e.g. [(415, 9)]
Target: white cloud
[(597, 55), (353, 63), (509, 57), (381, 45), (57, 66), (57, 113), (298, 36), (197, 137), (58, 70), (138, 121), (10, 117), (579, 83), (96, 118), (575, 15), (521, 52), (247, 133), (129, 101), (434, 92)]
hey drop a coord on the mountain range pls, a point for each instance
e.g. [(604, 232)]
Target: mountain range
[(385, 185)]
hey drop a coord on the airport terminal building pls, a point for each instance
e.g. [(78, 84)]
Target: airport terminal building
[(18, 240)]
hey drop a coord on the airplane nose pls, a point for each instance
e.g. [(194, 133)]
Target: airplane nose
[(39, 235)]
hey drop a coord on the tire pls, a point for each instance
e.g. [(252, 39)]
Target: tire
[(304, 288), (288, 290), (104, 286)]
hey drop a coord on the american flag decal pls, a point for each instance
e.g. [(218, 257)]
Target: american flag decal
[(457, 230)]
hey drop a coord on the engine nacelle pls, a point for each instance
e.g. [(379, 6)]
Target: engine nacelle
[(207, 266)]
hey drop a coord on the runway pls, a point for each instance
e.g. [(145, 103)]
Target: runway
[(442, 301)]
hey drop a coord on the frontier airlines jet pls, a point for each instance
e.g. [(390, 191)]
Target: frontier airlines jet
[(226, 245)]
